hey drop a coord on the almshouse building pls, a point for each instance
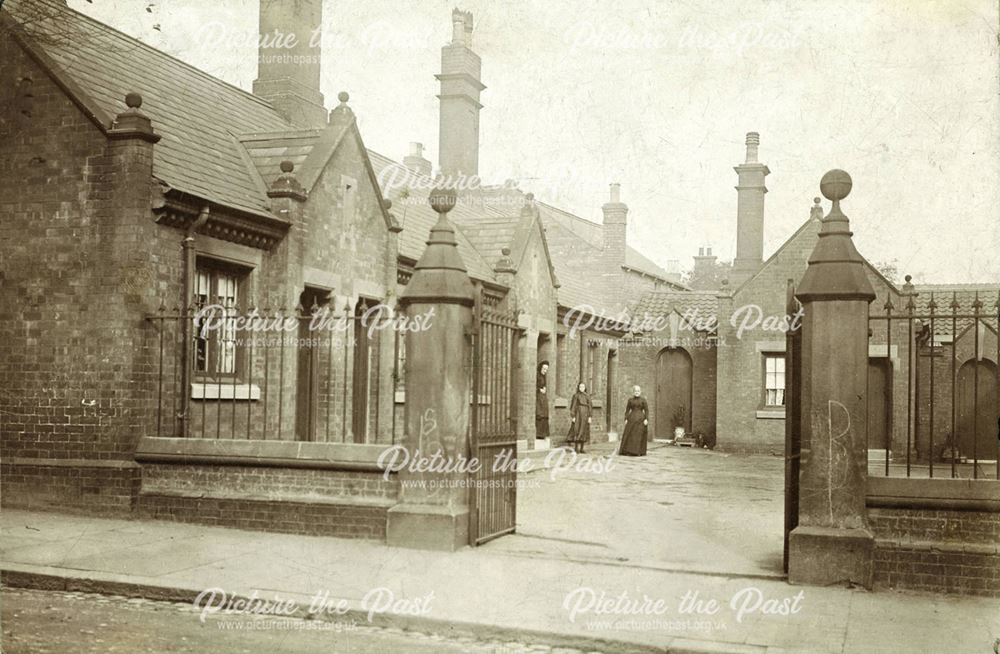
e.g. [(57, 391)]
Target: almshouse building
[(137, 191)]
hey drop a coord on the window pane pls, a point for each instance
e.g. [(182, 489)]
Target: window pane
[(226, 285)]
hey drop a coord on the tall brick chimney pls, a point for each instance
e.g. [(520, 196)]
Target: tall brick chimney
[(613, 251), (461, 68), (415, 160), (288, 64), (749, 213)]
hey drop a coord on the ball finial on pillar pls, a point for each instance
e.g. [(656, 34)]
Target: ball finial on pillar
[(835, 185), (442, 200)]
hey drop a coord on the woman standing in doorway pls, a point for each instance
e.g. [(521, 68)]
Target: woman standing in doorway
[(542, 401), (636, 421), (580, 409)]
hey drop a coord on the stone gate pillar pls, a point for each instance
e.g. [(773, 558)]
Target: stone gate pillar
[(433, 512), (832, 543)]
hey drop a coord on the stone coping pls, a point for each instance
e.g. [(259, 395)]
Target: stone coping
[(288, 454), (934, 494)]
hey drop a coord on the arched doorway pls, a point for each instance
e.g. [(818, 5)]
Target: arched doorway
[(977, 412), (673, 392)]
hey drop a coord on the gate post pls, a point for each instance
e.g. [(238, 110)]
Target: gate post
[(436, 515), (832, 542)]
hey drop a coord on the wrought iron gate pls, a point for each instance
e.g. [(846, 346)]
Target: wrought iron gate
[(493, 424)]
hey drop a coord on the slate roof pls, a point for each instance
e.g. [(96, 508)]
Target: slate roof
[(416, 217), (655, 304), (198, 116), (593, 234), (964, 294), (269, 149), (489, 235)]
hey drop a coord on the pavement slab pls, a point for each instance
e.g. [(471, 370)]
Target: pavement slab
[(487, 591)]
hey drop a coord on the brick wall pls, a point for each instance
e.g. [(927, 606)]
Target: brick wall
[(77, 280), (639, 362), (740, 357), (950, 551), (84, 264)]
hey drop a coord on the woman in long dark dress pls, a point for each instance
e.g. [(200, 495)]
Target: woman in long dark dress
[(580, 409), (636, 421), (542, 401)]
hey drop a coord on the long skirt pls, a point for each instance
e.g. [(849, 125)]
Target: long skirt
[(541, 427), (633, 439), (579, 431)]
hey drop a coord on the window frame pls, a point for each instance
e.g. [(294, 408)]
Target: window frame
[(765, 389), (215, 269)]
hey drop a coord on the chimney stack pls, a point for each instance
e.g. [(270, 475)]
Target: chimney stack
[(288, 64), (461, 68), (615, 224), (749, 213), (415, 160)]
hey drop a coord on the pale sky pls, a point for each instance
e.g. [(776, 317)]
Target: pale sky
[(902, 94)]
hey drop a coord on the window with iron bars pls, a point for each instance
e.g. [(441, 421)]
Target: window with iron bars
[(217, 352)]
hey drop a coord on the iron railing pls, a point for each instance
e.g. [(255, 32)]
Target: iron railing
[(261, 374), (933, 400)]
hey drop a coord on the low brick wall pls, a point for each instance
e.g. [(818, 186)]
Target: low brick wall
[(938, 535), (320, 502), (291, 517), (93, 487)]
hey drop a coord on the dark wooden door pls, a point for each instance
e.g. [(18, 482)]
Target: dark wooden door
[(977, 412), (673, 392), (361, 379), (307, 378), (879, 403)]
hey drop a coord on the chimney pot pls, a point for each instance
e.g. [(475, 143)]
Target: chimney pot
[(616, 192), (701, 252), (708, 252), (416, 149), (753, 141)]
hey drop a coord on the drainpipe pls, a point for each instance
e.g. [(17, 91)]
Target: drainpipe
[(187, 319)]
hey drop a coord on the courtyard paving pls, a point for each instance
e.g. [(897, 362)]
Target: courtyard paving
[(677, 508)]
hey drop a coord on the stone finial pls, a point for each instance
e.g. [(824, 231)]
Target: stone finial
[(816, 211), (440, 275), (908, 288), (836, 271), (341, 112), (132, 123), (286, 185), (835, 186), (442, 200), (504, 264)]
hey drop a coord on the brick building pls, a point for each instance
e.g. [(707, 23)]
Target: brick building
[(137, 190), (150, 189)]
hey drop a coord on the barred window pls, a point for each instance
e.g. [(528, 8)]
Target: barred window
[(216, 351), (774, 380)]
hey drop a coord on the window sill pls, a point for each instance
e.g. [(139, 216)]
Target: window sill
[(224, 391), (771, 414)]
